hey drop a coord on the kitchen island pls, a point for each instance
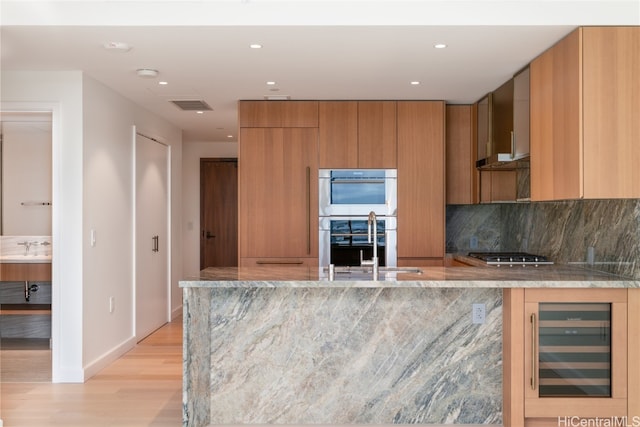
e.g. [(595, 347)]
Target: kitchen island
[(288, 346)]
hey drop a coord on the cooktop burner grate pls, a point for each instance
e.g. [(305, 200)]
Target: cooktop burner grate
[(511, 258)]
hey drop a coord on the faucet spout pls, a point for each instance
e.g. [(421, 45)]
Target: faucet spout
[(372, 237)]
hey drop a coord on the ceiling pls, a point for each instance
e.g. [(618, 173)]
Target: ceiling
[(335, 53)]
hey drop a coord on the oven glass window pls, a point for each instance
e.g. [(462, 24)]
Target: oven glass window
[(349, 239), (350, 187)]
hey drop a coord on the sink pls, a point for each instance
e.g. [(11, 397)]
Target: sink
[(351, 271)]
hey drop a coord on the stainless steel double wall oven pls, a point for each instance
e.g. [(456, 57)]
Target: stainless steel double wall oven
[(346, 199)]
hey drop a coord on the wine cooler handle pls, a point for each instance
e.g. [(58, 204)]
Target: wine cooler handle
[(534, 352)]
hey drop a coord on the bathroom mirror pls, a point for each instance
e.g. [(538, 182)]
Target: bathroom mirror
[(25, 173)]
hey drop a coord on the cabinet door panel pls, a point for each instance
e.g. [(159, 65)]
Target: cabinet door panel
[(278, 114), (338, 134), (421, 188), (556, 147), (460, 161), (278, 192), (611, 64), (377, 134)]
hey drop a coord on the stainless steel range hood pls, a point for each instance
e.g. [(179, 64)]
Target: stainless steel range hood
[(504, 161)]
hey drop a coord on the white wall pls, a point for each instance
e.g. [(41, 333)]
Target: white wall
[(26, 172), (109, 123), (93, 189), (192, 152)]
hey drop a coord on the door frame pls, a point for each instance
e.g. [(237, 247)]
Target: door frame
[(61, 335), (135, 133)]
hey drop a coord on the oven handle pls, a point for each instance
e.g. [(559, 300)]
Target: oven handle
[(357, 181)]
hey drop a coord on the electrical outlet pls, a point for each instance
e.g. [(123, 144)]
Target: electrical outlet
[(112, 304), (477, 314), (473, 242)]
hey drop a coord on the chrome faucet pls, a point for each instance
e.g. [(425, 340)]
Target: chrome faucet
[(27, 246), (372, 222)]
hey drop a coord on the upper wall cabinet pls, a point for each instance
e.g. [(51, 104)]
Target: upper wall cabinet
[(584, 116), (357, 134), (461, 173), (338, 133), (274, 114)]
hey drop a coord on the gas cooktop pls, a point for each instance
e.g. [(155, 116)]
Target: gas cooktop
[(511, 258)]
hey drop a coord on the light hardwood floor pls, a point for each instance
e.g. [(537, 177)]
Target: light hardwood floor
[(142, 388)]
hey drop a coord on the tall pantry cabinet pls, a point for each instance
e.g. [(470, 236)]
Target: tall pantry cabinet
[(421, 183), (278, 183)]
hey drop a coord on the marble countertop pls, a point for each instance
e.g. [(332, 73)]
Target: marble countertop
[(559, 276), (14, 251)]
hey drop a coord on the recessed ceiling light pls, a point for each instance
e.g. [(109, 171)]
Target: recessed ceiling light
[(199, 112), (415, 82), (271, 83), (163, 83), (229, 136), (147, 73), (255, 46), (440, 46), (117, 46)]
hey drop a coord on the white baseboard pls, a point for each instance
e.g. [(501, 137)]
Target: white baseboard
[(108, 358), (176, 313)]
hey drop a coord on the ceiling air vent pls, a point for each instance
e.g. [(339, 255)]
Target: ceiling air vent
[(191, 105)]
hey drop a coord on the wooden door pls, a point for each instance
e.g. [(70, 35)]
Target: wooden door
[(377, 139), (278, 193), (152, 243), (218, 213)]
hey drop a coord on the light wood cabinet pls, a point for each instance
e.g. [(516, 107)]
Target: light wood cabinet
[(278, 194), (338, 134), (584, 116), (522, 324), (377, 143), (421, 186), (498, 186), (10, 272), (358, 134), (461, 171), (273, 114)]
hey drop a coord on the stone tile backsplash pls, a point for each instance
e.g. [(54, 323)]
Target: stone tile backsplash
[(603, 235)]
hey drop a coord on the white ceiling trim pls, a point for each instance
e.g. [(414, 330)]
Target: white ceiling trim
[(317, 12)]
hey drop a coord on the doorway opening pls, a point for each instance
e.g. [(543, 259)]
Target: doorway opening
[(26, 164)]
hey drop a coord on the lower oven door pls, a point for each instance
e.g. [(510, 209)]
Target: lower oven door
[(344, 242)]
